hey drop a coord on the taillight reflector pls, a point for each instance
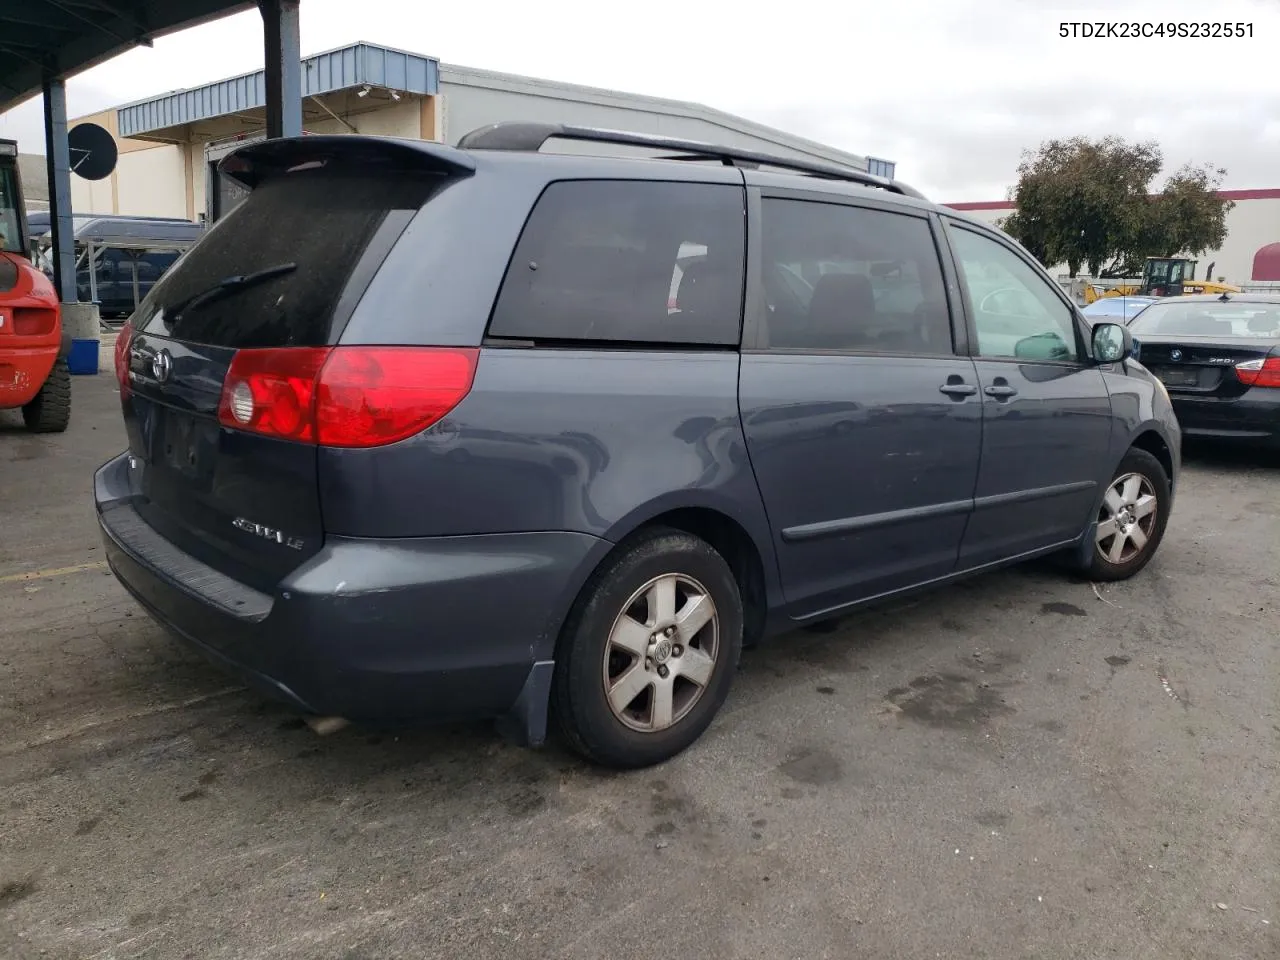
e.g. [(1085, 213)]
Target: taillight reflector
[(272, 392), (344, 396), (34, 321), (1259, 373), (121, 356)]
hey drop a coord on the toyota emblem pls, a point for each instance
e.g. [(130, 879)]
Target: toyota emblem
[(161, 366), (1175, 354)]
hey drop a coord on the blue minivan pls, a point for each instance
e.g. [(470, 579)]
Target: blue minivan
[(430, 433)]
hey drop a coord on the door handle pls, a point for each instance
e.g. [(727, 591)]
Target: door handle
[(958, 389), (1000, 390)]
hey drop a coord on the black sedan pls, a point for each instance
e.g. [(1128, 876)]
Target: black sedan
[(1219, 358)]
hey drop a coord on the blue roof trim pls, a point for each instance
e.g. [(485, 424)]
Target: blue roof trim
[(342, 69)]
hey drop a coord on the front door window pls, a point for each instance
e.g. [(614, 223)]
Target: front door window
[(1015, 311)]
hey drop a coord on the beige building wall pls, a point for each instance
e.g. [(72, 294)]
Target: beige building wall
[(152, 183), (149, 179), (1250, 226), (92, 196)]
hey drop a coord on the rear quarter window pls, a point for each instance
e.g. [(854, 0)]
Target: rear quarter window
[(628, 262)]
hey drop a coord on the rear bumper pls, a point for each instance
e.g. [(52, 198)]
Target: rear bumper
[(23, 371), (1253, 418), (405, 630)]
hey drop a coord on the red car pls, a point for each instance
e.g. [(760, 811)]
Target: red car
[(33, 352)]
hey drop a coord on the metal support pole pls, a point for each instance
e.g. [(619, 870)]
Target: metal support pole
[(58, 156), (283, 67), (93, 273)]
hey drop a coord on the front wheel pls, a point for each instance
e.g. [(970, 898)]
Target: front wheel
[(649, 653), (1132, 518)]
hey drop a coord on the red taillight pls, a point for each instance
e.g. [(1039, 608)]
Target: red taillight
[(122, 358), (1259, 373), (374, 395), (344, 396)]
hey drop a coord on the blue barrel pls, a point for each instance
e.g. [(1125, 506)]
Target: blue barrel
[(83, 358)]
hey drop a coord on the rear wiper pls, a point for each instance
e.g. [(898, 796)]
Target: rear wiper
[(229, 285)]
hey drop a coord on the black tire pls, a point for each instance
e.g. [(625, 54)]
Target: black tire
[(579, 698), (1143, 465), (50, 410)]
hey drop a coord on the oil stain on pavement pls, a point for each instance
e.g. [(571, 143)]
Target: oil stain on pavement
[(949, 701)]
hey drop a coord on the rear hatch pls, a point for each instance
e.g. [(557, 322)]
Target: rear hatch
[(264, 295)]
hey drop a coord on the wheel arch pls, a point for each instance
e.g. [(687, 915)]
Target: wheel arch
[(1154, 443), (742, 543)]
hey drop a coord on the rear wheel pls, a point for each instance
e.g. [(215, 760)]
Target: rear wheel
[(50, 410), (649, 653), (1131, 519)]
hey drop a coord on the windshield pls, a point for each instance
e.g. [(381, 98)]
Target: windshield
[(1209, 319), (10, 215), (1166, 271)]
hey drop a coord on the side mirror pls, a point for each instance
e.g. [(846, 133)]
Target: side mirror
[(1111, 343)]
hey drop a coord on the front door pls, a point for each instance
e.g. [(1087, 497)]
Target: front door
[(862, 421), (1046, 427)]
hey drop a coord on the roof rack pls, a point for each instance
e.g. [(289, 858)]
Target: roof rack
[(521, 136)]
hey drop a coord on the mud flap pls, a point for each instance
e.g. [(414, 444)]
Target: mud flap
[(1084, 552), (526, 723)]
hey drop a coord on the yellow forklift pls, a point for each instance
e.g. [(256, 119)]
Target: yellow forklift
[(1162, 277)]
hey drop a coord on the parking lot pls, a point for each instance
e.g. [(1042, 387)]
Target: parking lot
[(1019, 766)]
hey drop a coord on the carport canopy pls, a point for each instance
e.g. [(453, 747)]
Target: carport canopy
[(44, 42)]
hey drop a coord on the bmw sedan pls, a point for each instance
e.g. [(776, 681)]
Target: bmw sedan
[(1219, 358)]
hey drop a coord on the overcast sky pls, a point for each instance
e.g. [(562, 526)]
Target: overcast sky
[(952, 90)]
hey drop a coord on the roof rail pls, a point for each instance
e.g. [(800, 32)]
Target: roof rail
[(521, 136)]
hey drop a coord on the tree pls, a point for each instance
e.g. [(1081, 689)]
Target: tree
[(1191, 217), (1089, 203)]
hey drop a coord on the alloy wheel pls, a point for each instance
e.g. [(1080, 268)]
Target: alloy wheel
[(1127, 519), (661, 653)]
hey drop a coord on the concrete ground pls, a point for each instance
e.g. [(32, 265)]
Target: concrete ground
[(1016, 767)]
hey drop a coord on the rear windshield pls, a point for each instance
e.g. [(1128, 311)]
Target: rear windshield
[(1209, 319), (322, 222), (1115, 307)]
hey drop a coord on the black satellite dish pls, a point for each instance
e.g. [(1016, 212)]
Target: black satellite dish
[(93, 151)]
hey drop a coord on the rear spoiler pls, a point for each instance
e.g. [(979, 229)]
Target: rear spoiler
[(257, 162)]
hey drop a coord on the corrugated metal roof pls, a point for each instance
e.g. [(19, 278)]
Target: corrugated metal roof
[(342, 69)]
